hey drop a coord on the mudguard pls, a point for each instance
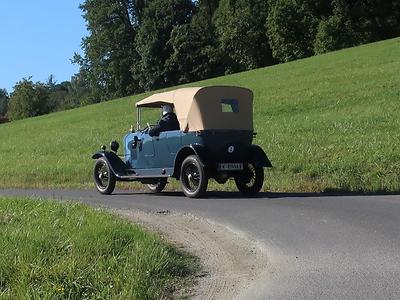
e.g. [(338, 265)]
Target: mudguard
[(118, 167), (192, 149), (258, 157), (200, 151)]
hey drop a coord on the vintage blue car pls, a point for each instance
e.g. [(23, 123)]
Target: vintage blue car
[(214, 140)]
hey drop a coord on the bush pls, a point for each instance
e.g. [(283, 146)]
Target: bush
[(3, 119), (29, 100)]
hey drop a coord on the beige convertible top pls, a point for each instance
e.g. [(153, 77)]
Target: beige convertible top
[(213, 107)]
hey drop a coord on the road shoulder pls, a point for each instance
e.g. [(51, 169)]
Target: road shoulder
[(232, 263)]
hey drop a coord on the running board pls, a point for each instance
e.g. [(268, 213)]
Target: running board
[(138, 177), (139, 174)]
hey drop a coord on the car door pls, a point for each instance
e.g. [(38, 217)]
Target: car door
[(166, 147), (145, 154)]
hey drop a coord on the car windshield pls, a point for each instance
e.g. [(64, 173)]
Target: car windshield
[(149, 115)]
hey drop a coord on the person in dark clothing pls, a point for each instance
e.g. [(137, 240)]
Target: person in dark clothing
[(168, 122)]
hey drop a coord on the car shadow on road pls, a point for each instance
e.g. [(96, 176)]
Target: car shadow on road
[(275, 195), (261, 195)]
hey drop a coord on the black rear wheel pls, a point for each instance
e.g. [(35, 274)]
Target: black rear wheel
[(250, 180), (104, 178), (158, 186), (194, 179)]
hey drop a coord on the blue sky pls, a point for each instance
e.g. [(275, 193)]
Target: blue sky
[(38, 38)]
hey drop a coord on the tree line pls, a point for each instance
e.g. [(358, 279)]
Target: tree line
[(140, 45), (30, 99)]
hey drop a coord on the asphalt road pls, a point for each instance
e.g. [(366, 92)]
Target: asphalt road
[(319, 247)]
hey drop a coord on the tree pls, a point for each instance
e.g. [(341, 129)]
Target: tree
[(375, 19), (242, 35), (337, 31), (3, 102), (195, 53), (79, 92), (28, 100), (160, 17), (59, 98), (110, 47), (140, 45), (291, 27)]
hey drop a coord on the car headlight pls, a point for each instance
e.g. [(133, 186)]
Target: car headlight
[(114, 146)]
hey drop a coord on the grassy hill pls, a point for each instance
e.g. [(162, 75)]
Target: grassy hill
[(330, 122)]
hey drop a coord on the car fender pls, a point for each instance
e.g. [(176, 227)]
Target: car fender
[(117, 166), (258, 157), (192, 149)]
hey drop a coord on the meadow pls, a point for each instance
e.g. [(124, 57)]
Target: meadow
[(52, 250), (327, 123)]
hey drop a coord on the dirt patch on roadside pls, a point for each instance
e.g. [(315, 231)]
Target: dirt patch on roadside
[(232, 263)]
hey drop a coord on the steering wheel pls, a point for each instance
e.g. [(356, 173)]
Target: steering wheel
[(147, 128)]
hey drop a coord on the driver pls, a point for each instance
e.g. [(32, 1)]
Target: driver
[(168, 122)]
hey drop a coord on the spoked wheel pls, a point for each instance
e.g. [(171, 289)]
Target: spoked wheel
[(194, 179), (104, 178), (251, 180), (158, 186)]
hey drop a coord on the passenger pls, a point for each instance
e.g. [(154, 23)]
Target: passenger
[(168, 122)]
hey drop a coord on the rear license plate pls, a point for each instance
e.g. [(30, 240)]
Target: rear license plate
[(230, 167)]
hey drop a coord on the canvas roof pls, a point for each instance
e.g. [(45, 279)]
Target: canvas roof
[(199, 108)]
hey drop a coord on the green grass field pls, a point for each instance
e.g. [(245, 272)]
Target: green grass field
[(53, 250), (329, 122)]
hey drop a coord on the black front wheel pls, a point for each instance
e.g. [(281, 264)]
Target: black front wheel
[(250, 180), (104, 178), (194, 179), (158, 186)]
